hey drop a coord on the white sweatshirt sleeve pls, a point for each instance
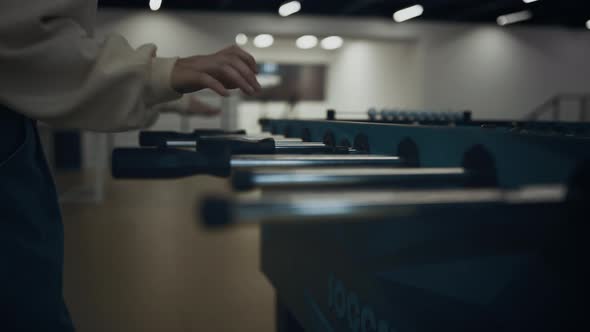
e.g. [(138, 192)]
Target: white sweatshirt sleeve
[(52, 70)]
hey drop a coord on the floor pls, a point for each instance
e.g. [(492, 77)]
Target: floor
[(139, 261)]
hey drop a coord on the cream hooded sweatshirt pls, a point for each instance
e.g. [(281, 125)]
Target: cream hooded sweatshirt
[(53, 70)]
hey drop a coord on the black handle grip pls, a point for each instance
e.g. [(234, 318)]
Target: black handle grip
[(217, 212), (217, 145), (159, 138), (243, 180), (134, 163)]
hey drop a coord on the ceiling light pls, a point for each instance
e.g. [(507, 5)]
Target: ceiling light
[(241, 39), (529, 1), (306, 42), (514, 18), (155, 4), (332, 43), (408, 13), (289, 8), (264, 41)]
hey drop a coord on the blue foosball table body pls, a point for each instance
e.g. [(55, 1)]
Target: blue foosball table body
[(446, 268)]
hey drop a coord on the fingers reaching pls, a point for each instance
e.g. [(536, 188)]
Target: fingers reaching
[(246, 73), (209, 82), (231, 78), (247, 58), (227, 69)]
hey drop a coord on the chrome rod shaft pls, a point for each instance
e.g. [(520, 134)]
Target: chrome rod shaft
[(256, 138), (351, 177), (279, 142), (181, 144), (299, 144), (279, 147), (255, 161), (335, 206)]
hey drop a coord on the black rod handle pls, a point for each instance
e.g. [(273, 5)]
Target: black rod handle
[(159, 138), (214, 146), (217, 212), (134, 163)]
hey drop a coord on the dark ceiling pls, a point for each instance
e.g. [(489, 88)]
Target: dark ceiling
[(569, 13)]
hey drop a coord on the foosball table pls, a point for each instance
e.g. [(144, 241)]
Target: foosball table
[(401, 223)]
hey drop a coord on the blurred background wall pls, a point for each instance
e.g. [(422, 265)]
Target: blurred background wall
[(414, 65)]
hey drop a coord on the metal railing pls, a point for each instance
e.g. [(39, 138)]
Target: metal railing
[(555, 107)]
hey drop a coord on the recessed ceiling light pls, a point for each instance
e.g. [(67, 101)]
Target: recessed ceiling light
[(264, 41), (289, 8), (155, 4), (241, 39), (408, 13), (332, 42), (306, 42), (529, 1), (514, 18)]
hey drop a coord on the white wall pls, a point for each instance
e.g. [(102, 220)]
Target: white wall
[(369, 73), (496, 72), (502, 73)]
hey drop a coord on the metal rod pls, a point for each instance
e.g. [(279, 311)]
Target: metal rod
[(299, 144), (351, 177), (278, 141), (156, 163), (279, 147), (250, 161), (310, 148), (181, 144), (359, 206), (277, 138)]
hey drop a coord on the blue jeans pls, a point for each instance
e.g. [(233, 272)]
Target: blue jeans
[(31, 233)]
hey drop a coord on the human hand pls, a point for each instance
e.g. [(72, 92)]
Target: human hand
[(230, 68)]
